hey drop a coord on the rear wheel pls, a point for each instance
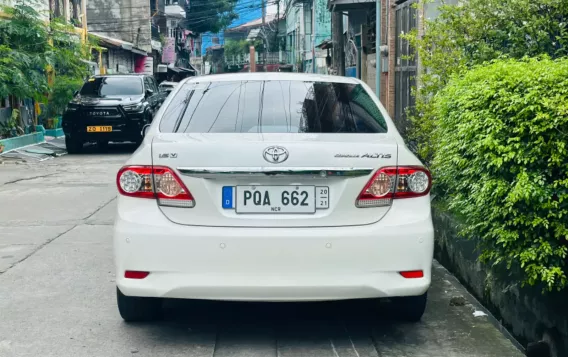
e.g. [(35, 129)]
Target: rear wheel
[(138, 309), (73, 145), (410, 308)]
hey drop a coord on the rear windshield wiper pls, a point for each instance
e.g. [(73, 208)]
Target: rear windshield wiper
[(186, 104)]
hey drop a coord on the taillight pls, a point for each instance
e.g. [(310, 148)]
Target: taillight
[(157, 182), (389, 183)]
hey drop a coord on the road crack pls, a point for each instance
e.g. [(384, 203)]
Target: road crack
[(38, 248), (29, 178), (99, 208)]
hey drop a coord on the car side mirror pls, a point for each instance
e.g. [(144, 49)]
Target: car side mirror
[(145, 130), (149, 92)]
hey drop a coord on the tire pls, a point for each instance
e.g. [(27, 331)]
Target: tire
[(73, 145), (410, 308), (138, 309), (102, 145)]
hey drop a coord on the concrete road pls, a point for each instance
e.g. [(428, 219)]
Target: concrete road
[(57, 292)]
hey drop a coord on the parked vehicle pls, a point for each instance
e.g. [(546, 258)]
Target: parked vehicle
[(111, 108), (272, 187), (168, 86)]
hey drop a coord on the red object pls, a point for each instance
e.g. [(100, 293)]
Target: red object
[(413, 274), (133, 274), (150, 175), (399, 176)]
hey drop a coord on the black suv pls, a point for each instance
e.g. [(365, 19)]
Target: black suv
[(111, 108)]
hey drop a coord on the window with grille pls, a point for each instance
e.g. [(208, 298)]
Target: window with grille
[(405, 63)]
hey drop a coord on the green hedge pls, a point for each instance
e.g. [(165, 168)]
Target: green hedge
[(501, 163)]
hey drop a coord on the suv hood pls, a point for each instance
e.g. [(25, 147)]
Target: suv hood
[(109, 100)]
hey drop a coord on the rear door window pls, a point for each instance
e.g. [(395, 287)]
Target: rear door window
[(273, 107)]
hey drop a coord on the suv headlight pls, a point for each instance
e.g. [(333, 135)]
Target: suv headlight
[(133, 107)]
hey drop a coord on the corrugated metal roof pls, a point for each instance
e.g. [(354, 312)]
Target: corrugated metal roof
[(114, 42), (253, 34)]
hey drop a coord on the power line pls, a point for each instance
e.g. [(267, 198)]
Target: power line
[(190, 21), (250, 7), (205, 4)]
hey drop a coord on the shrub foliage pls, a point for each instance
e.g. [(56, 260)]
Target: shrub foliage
[(502, 162), (474, 32)]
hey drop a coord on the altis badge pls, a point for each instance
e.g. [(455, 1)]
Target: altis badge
[(364, 156)]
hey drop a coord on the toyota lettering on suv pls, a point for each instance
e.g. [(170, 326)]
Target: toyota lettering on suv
[(111, 108)]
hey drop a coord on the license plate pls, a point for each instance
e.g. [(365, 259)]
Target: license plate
[(275, 199), (99, 129)]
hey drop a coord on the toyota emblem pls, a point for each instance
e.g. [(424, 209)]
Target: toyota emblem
[(275, 154)]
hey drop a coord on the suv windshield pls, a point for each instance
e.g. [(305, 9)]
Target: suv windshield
[(108, 86), (273, 107)]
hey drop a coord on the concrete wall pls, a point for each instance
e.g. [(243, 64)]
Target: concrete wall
[(41, 6), (526, 312), (120, 57), (371, 72), (127, 20), (5, 113)]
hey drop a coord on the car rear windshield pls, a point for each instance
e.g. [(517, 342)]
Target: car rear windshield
[(272, 107), (109, 86)]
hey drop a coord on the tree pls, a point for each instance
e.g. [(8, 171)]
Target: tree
[(242, 47), (474, 32), (25, 53), (211, 16), (30, 48)]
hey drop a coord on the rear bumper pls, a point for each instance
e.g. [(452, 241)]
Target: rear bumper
[(269, 264), (128, 129)]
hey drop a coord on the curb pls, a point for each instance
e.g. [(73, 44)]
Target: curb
[(23, 140), (54, 132)]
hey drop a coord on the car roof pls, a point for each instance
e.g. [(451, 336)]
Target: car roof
[(272, 76), (121, 75)]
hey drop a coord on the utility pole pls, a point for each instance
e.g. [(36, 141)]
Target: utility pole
[(84, 19), (314, 27), (277, 24), (252, 59), (263, 12), (338, 46), (66, 11)]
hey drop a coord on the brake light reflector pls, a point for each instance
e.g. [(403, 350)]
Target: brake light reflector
[(390, 183), (157, 182), (133, 274), (414, 274)]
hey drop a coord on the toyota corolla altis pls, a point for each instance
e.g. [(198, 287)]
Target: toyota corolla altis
[(272, 187)]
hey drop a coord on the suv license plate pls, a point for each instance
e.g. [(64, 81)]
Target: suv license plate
[(275, 199), (99, 129)]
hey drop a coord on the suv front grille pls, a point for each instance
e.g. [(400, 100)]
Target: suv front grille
[(101, 113)]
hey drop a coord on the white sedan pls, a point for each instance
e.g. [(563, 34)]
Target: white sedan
[(272, 187), (168, 86)]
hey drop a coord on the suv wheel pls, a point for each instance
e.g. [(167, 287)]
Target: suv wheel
[(138, 309), (73, 145), (410, 308)]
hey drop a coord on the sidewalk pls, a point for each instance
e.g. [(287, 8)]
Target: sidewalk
[(52, 147)]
